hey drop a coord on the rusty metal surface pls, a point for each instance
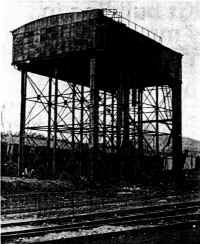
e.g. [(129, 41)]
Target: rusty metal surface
[(68, 40)]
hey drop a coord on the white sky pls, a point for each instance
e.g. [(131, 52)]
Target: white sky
[(178, 22)]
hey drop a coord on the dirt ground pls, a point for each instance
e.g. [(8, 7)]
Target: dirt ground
[(22, 185)]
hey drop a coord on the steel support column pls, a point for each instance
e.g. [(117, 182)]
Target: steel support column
[(73, 115), (104, 120), (81, 116), (134, 100), (49, 158), (177, 119), (81, 125), (55, 127), (94, 107), (112, 121), (140, 120), (125, 115), (157, 120), (176, 125), (119, 117), (49, 115), (22, 122)]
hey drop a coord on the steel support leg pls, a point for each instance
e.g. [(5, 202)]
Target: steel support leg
[(81, 125), (157, 118), (104, 121), (176, 126), (119, 117), (140, 124), (49, 123), (134, 103), (22, 122), (81, 116), (73, 115), (112, 122), (49, 114), (55, 127), (93, 114), (125, 116), (177, 120)]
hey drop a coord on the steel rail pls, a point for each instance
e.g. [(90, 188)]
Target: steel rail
[(135, 216)]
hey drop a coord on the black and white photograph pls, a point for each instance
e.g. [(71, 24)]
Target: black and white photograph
[(100, 121)]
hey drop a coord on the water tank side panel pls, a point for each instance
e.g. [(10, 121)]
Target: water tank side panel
[(55, 35)]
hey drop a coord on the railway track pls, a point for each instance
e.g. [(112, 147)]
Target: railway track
[(81, 204), (71, 202), (164, 214)]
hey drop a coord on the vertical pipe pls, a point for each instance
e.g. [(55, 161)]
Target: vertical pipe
[(157, 120), (104, 120), (22, 122), (55, 127)]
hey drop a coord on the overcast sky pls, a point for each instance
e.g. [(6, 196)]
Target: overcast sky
[(178, 22)]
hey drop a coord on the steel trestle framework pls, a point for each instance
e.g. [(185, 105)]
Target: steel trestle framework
[(63, 113)]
